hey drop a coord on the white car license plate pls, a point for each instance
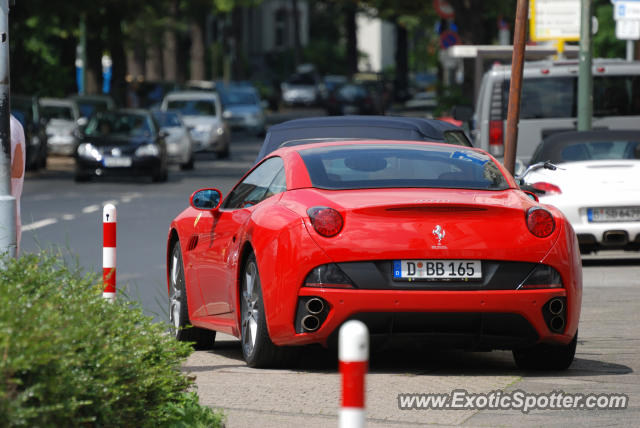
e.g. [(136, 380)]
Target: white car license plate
[(437, 269), (117, 162), (613, 214)]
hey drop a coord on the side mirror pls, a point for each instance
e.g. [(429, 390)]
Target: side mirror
[(82, 122), (206, 199), (462, 113)]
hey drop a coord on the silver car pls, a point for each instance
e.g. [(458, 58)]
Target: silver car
[(202, 113), (62, 118), (177, 138), (243, 109)]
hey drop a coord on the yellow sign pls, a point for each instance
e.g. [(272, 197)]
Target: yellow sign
[(554, 20)]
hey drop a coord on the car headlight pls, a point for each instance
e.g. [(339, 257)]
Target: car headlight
[(220, 130), (227, 114), (88, 151), (148, 150)]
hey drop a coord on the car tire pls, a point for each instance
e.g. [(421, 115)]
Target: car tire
[(546, 357), (161, 176), (257, 348), (181, 327), (223, 154), (188, 166)]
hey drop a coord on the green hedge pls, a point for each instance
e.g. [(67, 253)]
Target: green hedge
[(68, 358)]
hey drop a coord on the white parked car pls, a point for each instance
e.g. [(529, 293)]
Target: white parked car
[(177, 138), (62, 118), (202, 113), (596, 185)]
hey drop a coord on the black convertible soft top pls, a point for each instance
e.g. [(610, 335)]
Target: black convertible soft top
[(374, 127)]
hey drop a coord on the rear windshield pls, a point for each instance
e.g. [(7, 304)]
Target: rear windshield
[(401, 165), (193, 107), (589, 150), (556, 97)]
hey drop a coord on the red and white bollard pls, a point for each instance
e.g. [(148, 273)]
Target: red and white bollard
[(353, 353), (109, 252)]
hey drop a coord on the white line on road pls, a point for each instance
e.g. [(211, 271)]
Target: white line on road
[(91, 209), (38, 224), (69, 217)]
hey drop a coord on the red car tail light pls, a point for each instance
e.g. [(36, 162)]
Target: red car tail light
[(543, 276), (496, 137), (326, 221), (328, 276), (540, 222), (547, 188)]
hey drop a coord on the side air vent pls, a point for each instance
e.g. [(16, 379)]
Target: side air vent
[(193, 242)]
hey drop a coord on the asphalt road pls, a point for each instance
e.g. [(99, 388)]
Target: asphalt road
[(60, 215)]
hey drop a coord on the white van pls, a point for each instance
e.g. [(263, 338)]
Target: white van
[(550, 99)]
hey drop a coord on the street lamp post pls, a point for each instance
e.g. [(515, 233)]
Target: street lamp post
[(7, 202)]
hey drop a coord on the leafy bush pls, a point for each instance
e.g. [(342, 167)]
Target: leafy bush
[(68, 358)]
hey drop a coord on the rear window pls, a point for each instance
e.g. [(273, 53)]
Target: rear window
[(592, 150), (401, 165), (556, 97)]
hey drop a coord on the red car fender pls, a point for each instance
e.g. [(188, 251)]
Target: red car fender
[(283, 260), (565, 257)]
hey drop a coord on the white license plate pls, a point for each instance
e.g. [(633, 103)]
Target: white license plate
[(437, 269), (117, 162), (613, 214)]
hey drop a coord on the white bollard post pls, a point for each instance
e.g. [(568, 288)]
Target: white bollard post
[(353, 353), (109, 252)]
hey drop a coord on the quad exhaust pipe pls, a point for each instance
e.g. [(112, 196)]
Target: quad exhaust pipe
[(314, 306), (556, 306), (310, 323), (557, 323)]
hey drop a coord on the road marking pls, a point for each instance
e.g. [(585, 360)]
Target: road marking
[(39, 224), (69, 217), (90, 209)]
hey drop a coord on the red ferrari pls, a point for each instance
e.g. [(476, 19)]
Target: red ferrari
[(427, 240)]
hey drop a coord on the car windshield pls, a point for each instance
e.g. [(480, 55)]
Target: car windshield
[(57, 112), (196, 107), (233, 98), (167, 119), (595, 150), (110, 123), (401, 165)]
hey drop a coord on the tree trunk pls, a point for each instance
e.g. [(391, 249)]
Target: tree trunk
[(197, 51), (116, 49), (296, 32), (402, 64), (169, 53), (350, 9), (95, 48)]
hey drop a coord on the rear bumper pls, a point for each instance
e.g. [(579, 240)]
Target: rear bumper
[(484, 320)]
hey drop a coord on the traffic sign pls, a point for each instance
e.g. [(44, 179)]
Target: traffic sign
[(554, 20), (626, 9), (449, 38), (443, 9), (627, 29)]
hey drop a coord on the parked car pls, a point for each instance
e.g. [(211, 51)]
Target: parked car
[(596, 185), (354, 98), (178, 138), (242, 108), (328, 84), (26, 109), (91, 104), (430, 241), (62, 117), (549, 102), (358, 127), (202, 113), (125, 142), (300, 89)]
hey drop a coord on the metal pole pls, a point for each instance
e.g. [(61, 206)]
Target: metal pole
[(585, 77), (629, 50), (83, 54), (515, 87), (7, 201)]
